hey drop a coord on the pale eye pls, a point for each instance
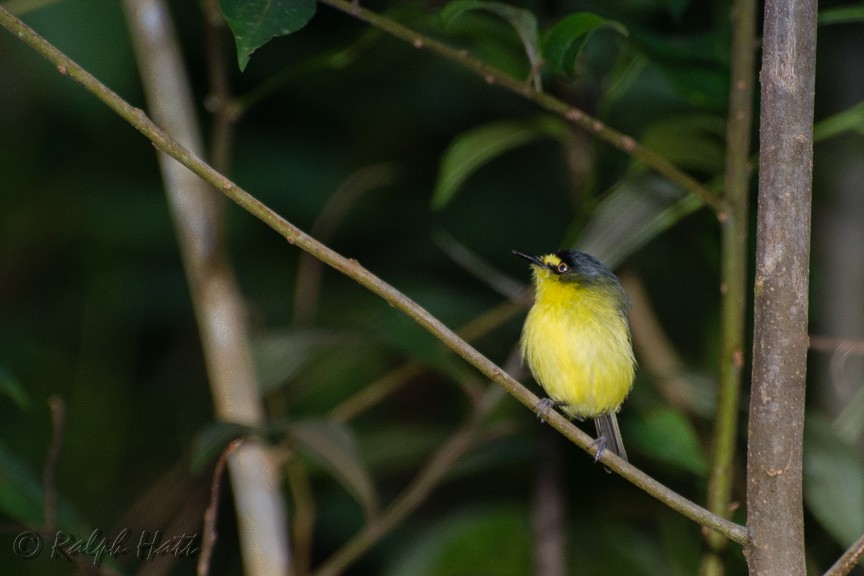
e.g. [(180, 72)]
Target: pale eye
[(562, 268)]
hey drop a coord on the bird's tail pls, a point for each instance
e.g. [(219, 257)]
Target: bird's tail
[(607, 429)]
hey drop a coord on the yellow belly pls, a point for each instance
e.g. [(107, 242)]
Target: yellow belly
[(579, 350)]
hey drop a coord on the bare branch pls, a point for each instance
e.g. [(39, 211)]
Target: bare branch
[(774, 465)]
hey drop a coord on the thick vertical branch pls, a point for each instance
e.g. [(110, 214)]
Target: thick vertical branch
[(196, 210), (734, 287), (774, 496)]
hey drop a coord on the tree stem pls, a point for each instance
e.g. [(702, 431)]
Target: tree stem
[(774, 465)]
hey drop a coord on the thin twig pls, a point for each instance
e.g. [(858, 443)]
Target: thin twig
[(849, 560), (829, 344), (303, 518), (493, 76), (208, 538), (734, 230), (220, 99), (351, 268), (460, 443), (58, 431), (343, 199), (376, 391), (548, 519)]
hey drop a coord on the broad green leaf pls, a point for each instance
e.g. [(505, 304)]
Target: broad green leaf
[(331, 445), (833, 481), (22, 7), (842, 15), (636, 210), (405, 335), (564, 42), (851, 119), (523, 21), (622, 77), (12, 389), (254, 22), (487, 541), (690, 142), (622, 548), (476, 147), (20, 490), (675, 8), (280, 356), (398, 447), (668, 436), (696, 66), (22, 496), (212, 440), (848, 423)]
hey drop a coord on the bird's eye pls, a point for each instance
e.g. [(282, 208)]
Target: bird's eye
[(562, 268)]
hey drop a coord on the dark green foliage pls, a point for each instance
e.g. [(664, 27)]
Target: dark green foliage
[(94, 306)]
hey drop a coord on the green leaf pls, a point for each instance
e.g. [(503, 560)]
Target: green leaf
[(690, 142), (849, 120), (212, 440), (833, 481), (20, 490), (675, 8), (12, 389), (523, 21), (405, 335), (636, 210), (398, 447), (842, 15), (695, 65), (487, 541), (22, 496), (564, 42), (281, 355), (254, 22), (668, 436), (474, 148), (331, 445)]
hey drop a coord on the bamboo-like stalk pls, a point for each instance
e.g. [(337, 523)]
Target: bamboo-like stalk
[(197, 214)]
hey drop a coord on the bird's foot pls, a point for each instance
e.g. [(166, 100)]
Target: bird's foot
[(546, 405), (600, 445)]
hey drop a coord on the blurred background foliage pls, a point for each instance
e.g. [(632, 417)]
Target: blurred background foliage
[(429, 177)]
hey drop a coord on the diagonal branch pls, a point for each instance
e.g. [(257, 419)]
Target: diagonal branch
[(849, 560), (351, 268), (493, 76)]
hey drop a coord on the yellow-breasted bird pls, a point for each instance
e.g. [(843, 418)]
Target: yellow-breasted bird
[(576, 340)]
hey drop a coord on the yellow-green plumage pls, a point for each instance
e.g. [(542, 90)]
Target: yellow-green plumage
[(576, 339)]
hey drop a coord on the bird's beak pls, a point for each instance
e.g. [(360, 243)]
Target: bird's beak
[(532, 259)]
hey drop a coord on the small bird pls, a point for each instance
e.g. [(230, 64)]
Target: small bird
[(576, 341)]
